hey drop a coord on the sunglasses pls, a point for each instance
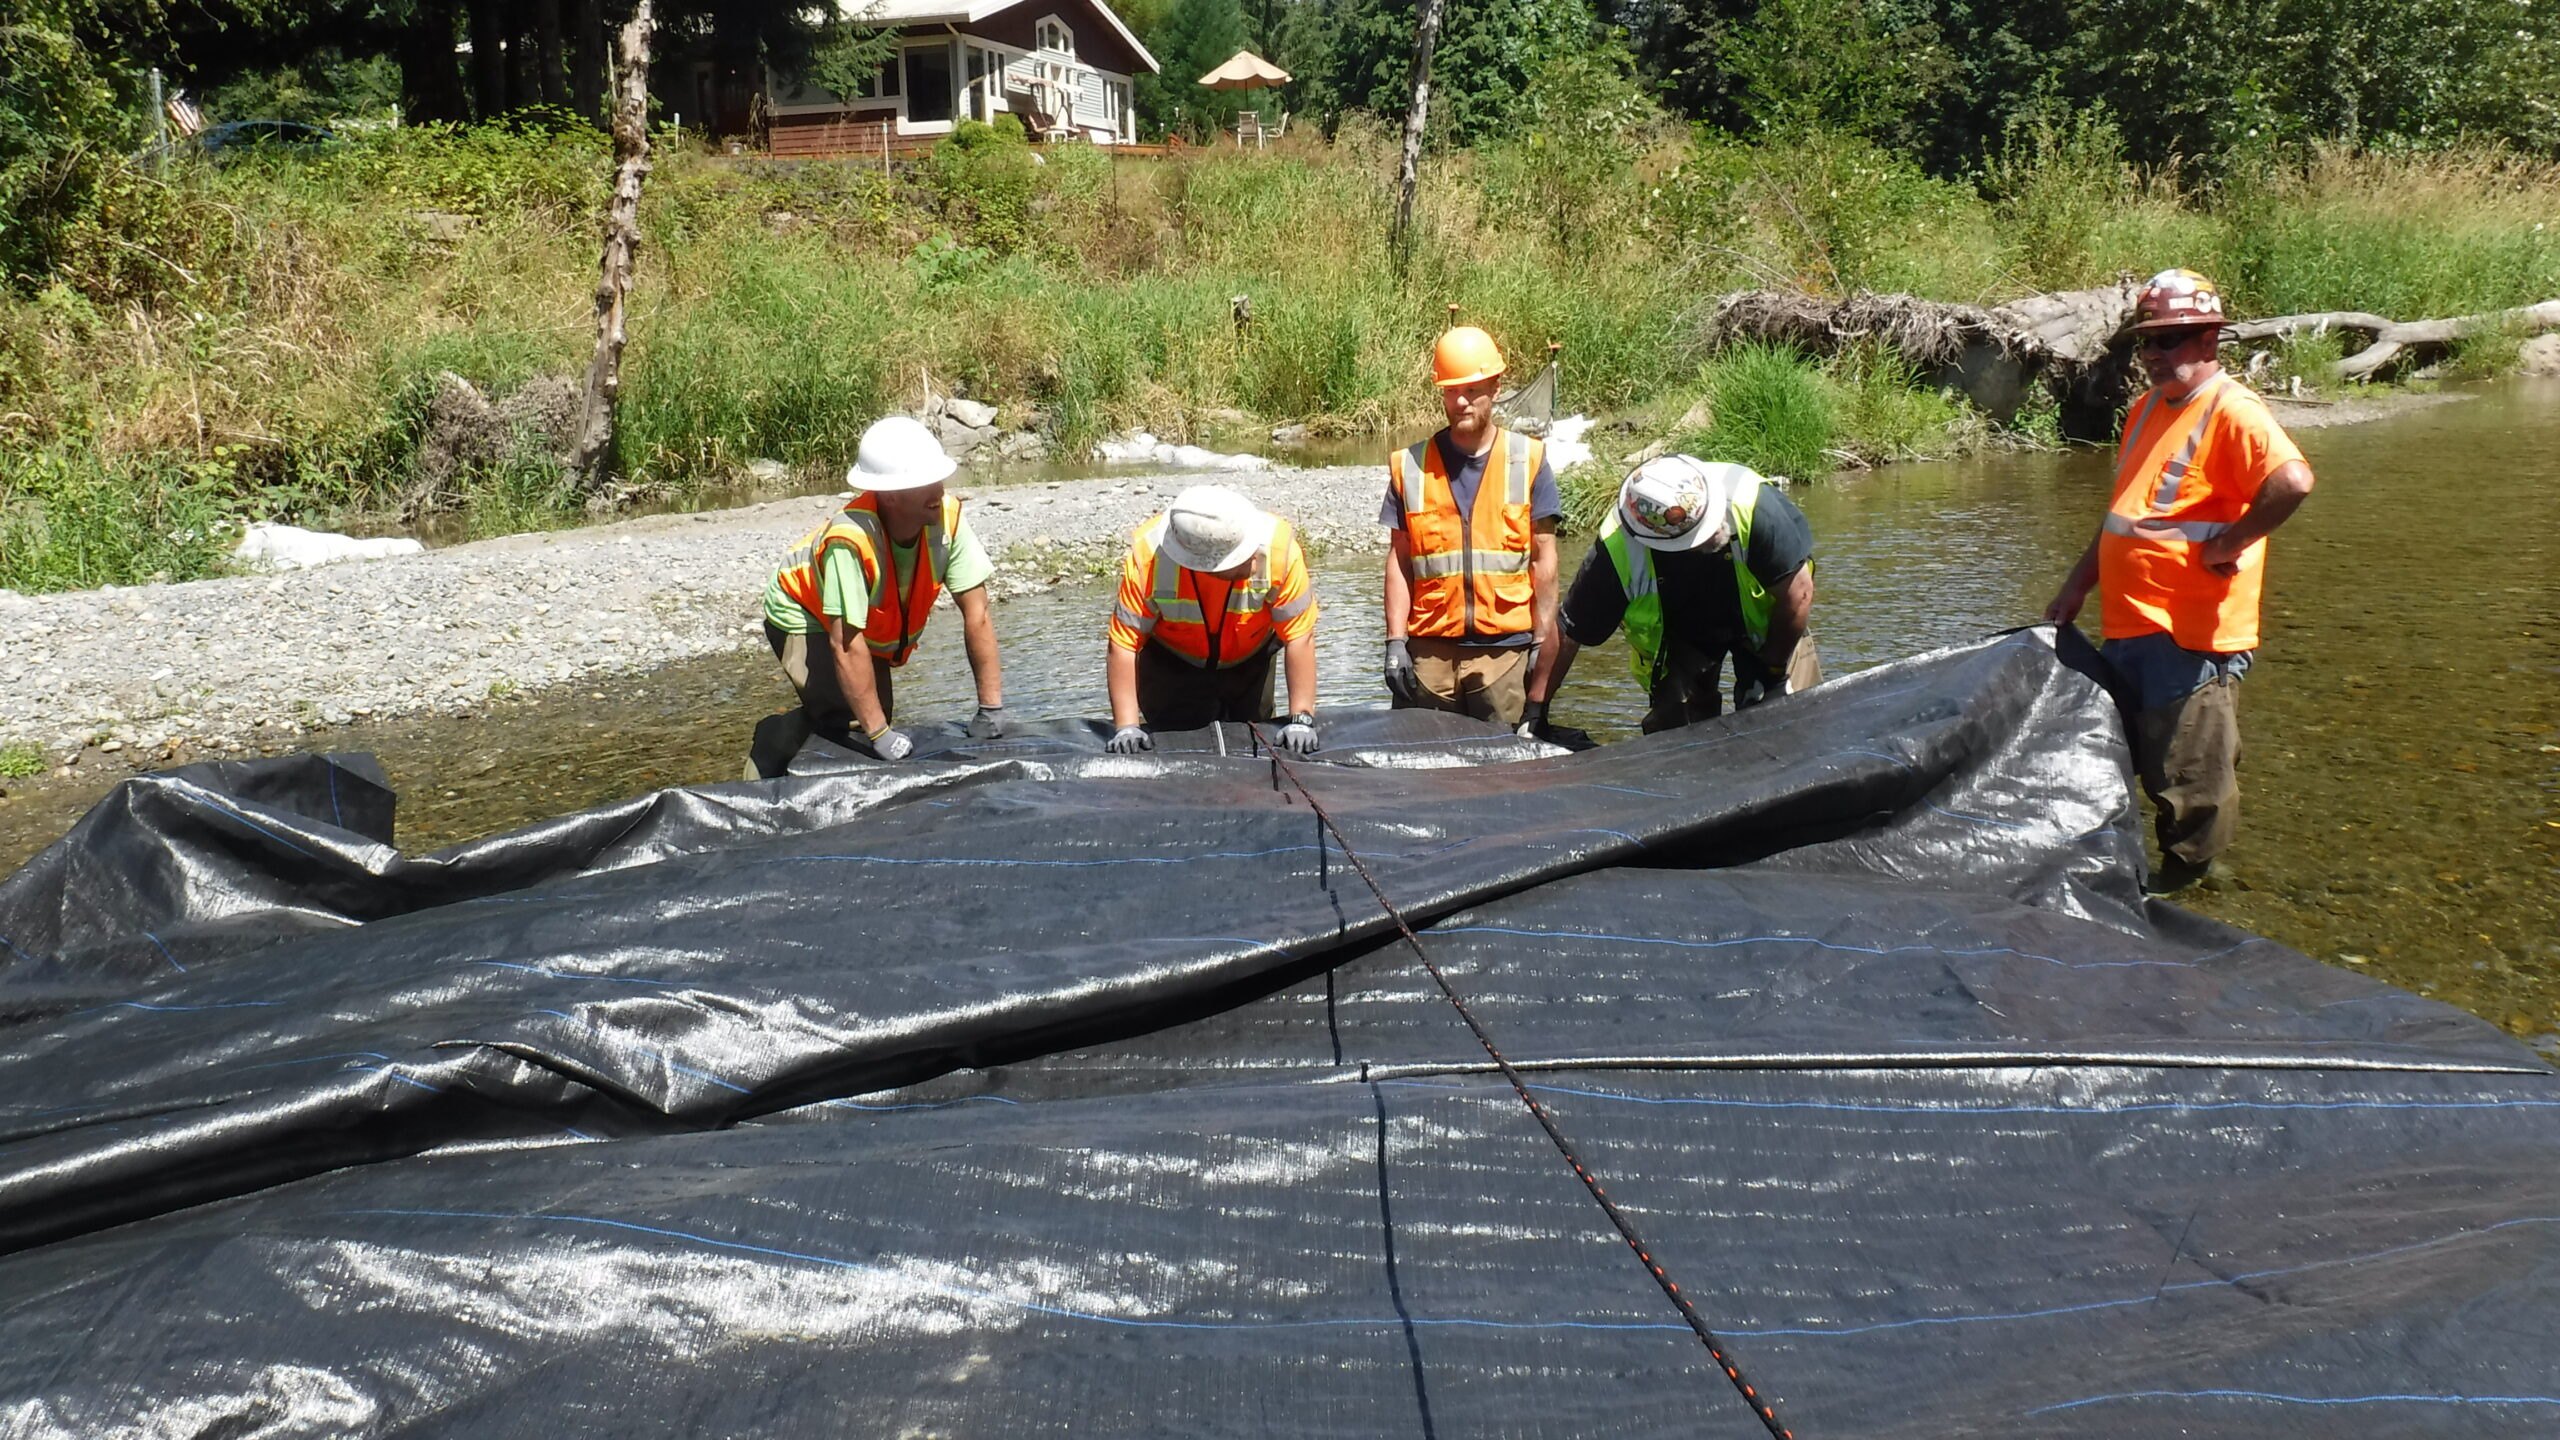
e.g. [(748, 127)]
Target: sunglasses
[(2163, 340)]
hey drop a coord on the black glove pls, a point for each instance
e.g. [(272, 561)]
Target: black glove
[(1298, 737), (1129, 740), (1402, 682), (1533, 721), (892, 744), (1754, 681), (988, 723)]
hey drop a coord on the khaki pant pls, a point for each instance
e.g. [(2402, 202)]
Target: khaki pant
[(2188, 754), (1686, 691), (1174, 694), (1483, 681), (812, 673)]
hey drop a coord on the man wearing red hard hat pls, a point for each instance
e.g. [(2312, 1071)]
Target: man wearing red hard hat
[(2203, 475), (1471, 562)]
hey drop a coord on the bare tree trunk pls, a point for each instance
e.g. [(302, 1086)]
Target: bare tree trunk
[(430, 80), (2393, 338), (594, 440), (1426, 34), (488, 59), (586, 59), (551, 74)]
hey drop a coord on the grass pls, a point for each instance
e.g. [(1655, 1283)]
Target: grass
[(19, 761), (259, 340)]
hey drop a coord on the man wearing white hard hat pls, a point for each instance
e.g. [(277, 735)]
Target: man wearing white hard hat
[(1698, 560), (1211, 589), (846, 607)]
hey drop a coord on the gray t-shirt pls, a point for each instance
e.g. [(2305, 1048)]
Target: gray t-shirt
[(1466, 472)]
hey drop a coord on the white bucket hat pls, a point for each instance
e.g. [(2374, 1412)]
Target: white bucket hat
[(898, 453), (1211, 527), (1679, 502)]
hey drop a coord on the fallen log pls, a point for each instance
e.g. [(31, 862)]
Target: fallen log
[(2391, 339)]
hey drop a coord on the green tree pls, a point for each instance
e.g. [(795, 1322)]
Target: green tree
[(1569, 137), (69, 109), (1488, 54), (1196, 37)]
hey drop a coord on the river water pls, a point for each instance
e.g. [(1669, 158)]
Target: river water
[(2401, 807)]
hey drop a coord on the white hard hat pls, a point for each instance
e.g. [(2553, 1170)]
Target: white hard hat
[(1679, 502), (898, 453), (1211, 527)]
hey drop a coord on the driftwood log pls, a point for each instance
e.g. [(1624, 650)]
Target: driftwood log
[(2389, 341), (2078, 344), (594, 435)]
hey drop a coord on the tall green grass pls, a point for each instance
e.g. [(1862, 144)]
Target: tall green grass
[(258, 340)]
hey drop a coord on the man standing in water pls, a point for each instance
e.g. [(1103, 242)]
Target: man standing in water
[(2203, 475), (848, 604), (1471, 560)]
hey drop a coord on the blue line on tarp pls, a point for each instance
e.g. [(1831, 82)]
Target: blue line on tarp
[(1896, 759), (989, 1298), (1628, 790), (138, 1005), (314, 1060), (164, 952), (337, 816), (223, 808), (14, 950), (2182, 1106), (1118, 860), (568, 975), (2303, 1399), (396, 1075), (1806, 940), (920, 1104)]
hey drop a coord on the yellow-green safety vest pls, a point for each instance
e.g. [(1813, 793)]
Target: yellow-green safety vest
[(1643, 620)]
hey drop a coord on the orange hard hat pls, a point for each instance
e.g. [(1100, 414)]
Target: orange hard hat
[(1465, 355)]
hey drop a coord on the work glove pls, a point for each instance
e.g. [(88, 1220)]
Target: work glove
[(1402, 681), (1298, 737), (1754, 681), (1129, 740), (1533, 721), (988, 723), (892, 744)]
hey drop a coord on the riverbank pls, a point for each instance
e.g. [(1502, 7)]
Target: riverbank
[(126, 679)]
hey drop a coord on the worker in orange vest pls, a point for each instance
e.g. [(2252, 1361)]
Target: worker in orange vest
[(2203, 475), (1211, 589), (1471, 559), (858, 590)]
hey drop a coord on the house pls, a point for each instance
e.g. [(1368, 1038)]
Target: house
[(1064, 67)]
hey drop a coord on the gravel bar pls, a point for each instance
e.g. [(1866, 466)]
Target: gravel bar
[(136, 678)]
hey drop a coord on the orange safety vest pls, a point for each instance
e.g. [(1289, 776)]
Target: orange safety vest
[(1181, 623), (896, 621), (2149, 576), (1470, 571)]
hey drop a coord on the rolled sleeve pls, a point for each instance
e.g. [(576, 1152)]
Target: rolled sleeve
[(969, 566), (1293, 595), (1546, 501), (1133, 614), (842, 592)]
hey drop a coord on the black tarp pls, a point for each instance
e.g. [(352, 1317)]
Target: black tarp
[(1024, 1089)]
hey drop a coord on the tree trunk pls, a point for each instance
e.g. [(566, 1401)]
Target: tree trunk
[(594, 439), (2394, 338), (430, 80), (586, 60), (1426, 34), (551, 74), (488, 59)]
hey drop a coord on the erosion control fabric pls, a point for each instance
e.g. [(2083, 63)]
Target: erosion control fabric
[(1022, 1089)]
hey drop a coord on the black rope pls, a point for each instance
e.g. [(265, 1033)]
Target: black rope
[(1760, 1406)]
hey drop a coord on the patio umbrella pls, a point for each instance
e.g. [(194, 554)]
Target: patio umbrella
[(1245, 71)]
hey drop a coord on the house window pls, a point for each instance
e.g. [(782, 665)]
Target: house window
[(929, 82), (1054, 35), (884, 84)]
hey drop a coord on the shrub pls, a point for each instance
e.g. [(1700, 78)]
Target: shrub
[(1773, 412)]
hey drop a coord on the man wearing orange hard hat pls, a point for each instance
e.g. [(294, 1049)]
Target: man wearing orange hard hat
[(2203, 475), (1471, 559)]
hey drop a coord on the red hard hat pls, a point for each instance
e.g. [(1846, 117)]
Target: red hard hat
[(2177, 300)]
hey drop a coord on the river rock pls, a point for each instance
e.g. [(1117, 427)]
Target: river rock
[(2540, 355), (969, 413), (961, 439)]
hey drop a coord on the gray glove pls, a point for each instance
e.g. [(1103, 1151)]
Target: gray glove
[(988, 723), (1129, 740), (892, 744), (1298, 737), (1402, 682), (1533, 721)]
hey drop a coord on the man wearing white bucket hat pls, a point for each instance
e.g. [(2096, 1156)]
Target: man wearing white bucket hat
[(1211, 588), (846, 607), (1697, 560)]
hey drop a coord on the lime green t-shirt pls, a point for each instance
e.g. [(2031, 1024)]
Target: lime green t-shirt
[(843, 593)]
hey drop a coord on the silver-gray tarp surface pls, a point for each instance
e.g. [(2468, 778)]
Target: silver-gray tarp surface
[(1021, 1089)]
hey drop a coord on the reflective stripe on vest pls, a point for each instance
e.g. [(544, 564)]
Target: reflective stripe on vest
[(1470, 570), (895, 621), (2149, 571), (1643, 618), (1181, 624)]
